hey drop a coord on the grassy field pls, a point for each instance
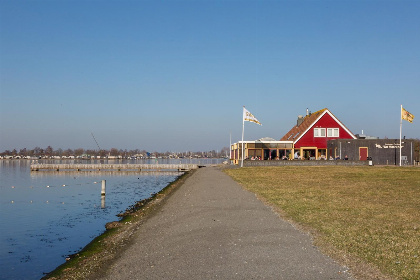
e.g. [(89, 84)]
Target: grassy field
[(368, 215)]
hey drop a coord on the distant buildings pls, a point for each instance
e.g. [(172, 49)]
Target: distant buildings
[(322, 136)]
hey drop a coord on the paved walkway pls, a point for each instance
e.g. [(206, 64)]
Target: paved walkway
[(211, 228)]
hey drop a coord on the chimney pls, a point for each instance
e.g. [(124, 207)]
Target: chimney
[(307, 111), (299, 120)]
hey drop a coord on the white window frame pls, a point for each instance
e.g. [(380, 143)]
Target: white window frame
[(319, 132), (333, 132)]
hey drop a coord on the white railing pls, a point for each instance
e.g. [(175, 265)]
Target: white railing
[(119, 167)]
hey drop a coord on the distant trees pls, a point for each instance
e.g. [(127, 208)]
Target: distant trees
[(78, 152), (59, 152), (68, 152), (102, 153), (37, 151), (23, 152), (113, 152), (49, 152)]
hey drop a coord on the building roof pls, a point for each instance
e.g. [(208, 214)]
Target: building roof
[(266, 139), (308, 121)]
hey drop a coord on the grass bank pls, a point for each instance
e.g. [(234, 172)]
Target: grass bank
[(360, 215)]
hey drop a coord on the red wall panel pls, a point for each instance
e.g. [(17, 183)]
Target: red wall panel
[(326, 121)]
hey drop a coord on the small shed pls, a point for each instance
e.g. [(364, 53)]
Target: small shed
[(379, 151)]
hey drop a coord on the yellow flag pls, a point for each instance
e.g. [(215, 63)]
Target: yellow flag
[(405, 115)]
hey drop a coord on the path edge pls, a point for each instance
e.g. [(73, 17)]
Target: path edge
[(94, 259)]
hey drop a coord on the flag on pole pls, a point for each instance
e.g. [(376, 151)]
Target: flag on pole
[(405, 115), (247, 116), (250, 117)]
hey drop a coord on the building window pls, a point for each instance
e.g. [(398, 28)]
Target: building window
[(333, 132), (319, 132)]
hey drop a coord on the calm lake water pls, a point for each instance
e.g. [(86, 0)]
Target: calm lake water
[(47, 216)]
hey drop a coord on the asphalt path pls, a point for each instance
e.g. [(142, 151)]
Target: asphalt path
[(211, 228)]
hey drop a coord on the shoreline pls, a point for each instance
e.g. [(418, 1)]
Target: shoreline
[(103, 249), (117, 252)]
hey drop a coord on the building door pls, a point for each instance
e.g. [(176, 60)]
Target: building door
[(266, 154), (273, 154), (363, 153)]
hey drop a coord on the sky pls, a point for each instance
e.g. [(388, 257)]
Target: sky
[(175, 75)]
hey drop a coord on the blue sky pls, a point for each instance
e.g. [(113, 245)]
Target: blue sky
[(174, 75)]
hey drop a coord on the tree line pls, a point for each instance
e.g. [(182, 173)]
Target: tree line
[(49, 152)]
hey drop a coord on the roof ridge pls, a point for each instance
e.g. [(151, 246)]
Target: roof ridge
[(320, 111), (298, 130)]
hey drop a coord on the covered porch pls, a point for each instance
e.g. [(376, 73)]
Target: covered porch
[(262, 149)]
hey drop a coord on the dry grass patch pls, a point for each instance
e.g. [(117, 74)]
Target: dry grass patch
[(369, 213)]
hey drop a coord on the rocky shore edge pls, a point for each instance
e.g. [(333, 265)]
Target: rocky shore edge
[(93, 259)]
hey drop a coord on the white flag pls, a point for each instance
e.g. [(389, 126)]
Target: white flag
[(250, 117)]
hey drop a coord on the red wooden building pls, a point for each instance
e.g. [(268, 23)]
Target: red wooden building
[(311, 133)]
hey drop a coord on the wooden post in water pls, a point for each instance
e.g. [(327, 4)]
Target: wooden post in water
[(103, 187)]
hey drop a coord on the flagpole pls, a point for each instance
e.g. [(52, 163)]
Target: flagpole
[(400, 131), (243, 128), (230, 148)]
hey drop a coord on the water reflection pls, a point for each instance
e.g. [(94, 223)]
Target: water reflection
[(49, 215)]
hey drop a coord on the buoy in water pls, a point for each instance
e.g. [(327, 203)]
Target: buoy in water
[(103, 189)]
